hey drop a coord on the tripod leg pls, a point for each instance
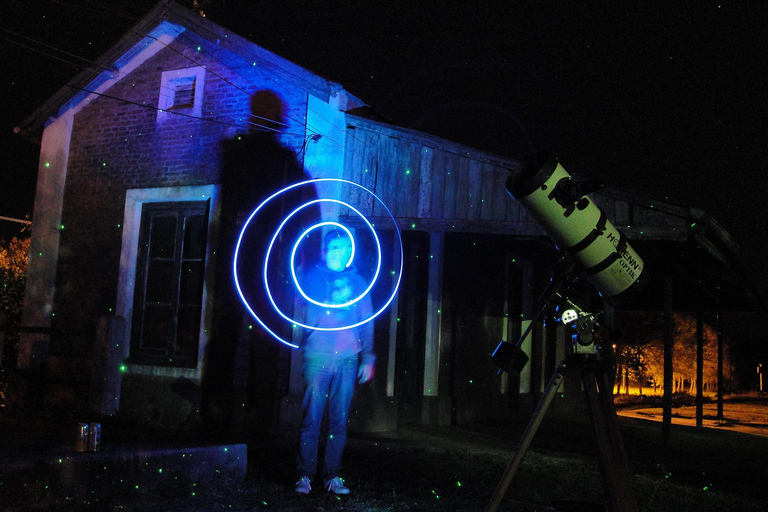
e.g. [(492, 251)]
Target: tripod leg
[(613, 459), (527, 438)]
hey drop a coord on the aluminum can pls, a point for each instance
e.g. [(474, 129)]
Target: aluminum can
[(94, 436), (81, 437)]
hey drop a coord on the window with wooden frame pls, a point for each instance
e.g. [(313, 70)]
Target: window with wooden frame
[(168, 293)]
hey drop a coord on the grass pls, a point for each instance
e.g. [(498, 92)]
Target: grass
[(457, 469)]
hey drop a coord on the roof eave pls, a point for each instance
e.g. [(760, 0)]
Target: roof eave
[(170, 13)]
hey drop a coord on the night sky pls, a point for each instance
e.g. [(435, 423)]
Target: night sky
[(665, 100)]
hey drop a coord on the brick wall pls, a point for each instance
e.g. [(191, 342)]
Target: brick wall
[(117, 145)]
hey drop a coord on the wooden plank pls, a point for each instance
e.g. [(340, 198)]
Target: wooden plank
[(426, 173), (438, 172), (490, 194), (352, 167), (451, 177), (475, 190), (368, 170), (412, 175), (360, 165), (502, 201), (385, 176), (461, 193), (400, 184)]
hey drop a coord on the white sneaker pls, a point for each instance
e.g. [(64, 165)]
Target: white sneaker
[(303, 486), (336, 486)]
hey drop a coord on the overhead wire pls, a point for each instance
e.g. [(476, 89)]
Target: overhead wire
[(258, 69), (95, 72), (265, 73), (84, 64)]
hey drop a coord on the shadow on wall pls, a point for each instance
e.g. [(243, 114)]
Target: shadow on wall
[(246, 366)]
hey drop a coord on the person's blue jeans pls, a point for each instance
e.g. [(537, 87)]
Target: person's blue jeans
[(331, 382)]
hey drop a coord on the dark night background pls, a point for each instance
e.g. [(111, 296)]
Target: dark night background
[(666, 99)]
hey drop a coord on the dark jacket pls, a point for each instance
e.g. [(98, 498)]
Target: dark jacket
[(329, 287)]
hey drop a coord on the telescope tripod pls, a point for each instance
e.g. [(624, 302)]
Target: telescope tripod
[(614, 467)]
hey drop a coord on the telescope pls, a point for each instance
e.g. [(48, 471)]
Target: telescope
[(578, 226), (590, 247)]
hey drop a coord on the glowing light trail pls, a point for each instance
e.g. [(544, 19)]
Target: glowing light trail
[(295, 248)]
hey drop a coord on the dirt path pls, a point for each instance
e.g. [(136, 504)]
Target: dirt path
[(748, 417)]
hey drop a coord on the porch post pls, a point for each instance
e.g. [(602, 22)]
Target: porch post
[(436, 407), (44, 248)]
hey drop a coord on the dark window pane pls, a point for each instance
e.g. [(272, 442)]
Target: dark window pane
[(194, 237), (191, 288), (163, 237), (188, 329), (157, 323), (159, 281), (170, 280)]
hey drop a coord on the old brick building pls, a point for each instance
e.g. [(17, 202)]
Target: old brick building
[(149, 138)]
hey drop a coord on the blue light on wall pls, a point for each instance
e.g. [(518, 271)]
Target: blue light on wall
[(272, 240)]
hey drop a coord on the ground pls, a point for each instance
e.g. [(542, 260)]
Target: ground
[(457, 468)]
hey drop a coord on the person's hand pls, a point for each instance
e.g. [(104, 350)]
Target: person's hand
[(365, 373)]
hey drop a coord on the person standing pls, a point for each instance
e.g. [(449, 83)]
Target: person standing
[(332, 359)]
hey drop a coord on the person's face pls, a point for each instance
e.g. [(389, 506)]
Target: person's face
[(338, 253)]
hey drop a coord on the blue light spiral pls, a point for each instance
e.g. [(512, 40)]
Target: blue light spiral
[(280, 250)]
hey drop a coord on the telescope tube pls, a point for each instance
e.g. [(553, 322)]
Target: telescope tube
[(578, 227)]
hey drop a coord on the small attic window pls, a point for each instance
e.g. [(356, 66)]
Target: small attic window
[(181, 91)]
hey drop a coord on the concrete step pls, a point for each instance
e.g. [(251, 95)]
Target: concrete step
[(115, 475)]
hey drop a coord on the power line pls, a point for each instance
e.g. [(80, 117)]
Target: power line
[(259, 69)]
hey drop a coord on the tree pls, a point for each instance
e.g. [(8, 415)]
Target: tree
[(13, 275), (641, 350)]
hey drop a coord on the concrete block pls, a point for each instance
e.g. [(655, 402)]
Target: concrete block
[(120, 476)]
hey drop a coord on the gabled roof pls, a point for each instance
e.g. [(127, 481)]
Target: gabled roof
[(155, 30)]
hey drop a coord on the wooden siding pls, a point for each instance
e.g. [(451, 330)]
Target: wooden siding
[(434, 185), (429, 183)]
